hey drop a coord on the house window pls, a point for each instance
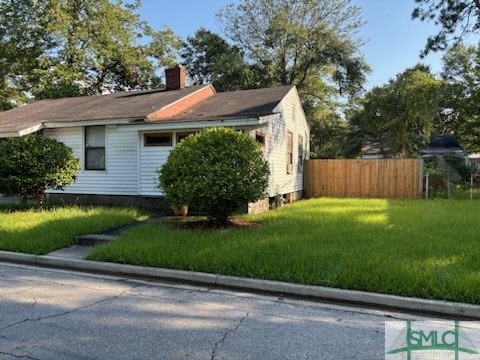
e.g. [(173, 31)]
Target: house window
[(157, 139), (95, 148), (289, 152), (300, 153), (260, 138), (183, 135)]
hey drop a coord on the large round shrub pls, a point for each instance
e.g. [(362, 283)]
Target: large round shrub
[(216, 171), (34, 163)]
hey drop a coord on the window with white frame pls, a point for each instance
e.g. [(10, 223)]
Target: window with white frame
[(289, 152), (301, 155), (95, 147)]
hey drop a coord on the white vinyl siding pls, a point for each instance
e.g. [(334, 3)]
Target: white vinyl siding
[(292, 120), (121, 167), (131, 167), (151, 159)]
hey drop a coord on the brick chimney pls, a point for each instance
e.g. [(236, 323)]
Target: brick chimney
[(175, 77)]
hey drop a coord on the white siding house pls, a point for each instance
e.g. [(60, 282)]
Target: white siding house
[(122, 139)]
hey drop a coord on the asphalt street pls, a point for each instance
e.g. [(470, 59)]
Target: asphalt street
[(58, 314)]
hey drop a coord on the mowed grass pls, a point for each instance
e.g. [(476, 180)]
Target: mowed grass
[(40, 232), (421, 248)]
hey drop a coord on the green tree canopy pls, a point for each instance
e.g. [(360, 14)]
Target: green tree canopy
[(32, 164), (401, 111), (217, 171), (211, 59), (23, 43), (462, 115), (310, 43), (455, 19), (57, 48)]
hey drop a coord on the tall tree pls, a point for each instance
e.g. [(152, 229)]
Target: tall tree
[(211, 59), (330, 137), (57, 48), (310, 43), (97, 44), (23, 42), (402, 110), (462, 72), (455, 18)]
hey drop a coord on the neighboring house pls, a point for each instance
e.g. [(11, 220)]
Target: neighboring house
[(441, 145), (122, 139), (438, 145)]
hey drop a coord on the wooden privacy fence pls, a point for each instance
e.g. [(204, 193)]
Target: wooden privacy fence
[(376, 178)]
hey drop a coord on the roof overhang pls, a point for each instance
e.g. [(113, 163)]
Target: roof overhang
[(142, 124), (22, 132), (192, 124), (65, 124)]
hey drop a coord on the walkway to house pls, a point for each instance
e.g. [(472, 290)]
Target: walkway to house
[(84, 243)]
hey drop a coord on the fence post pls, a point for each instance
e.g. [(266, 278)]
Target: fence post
[(471, 186), (427, 184), (448, 184)]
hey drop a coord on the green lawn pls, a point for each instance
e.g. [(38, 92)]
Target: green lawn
[(40, 232), (423, 248)]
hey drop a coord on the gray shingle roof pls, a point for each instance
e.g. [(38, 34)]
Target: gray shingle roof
[(136, 105), (237, 104)]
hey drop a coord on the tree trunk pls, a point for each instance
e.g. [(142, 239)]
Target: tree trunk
[(40, 200)]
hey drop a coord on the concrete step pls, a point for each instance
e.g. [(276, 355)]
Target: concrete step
[(93, 239), (72, 252)]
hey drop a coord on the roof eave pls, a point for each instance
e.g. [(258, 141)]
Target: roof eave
[(64, 124), (22, 132), (176, 124)]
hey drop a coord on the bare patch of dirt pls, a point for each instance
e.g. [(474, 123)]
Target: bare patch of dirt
[(207, 225)]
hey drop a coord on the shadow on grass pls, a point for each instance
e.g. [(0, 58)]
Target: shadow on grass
[(39, 233)]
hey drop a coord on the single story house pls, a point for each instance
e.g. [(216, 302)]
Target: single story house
[(121, 139), (436, 145), (441, 145)]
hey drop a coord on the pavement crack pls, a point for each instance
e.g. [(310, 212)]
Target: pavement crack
[(18, 356), (225, 335), (67, 312)]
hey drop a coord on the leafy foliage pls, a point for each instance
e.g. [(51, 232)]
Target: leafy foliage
[(402, 110), (210, 59), (23, 41), (455, 19), (56, 48), (33, 163), (216, 171), (330, 138), (309, 43), (462, 72)]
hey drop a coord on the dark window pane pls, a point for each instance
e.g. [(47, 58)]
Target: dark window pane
[(181, 136), (95, 159), (164, 139), (260, 137)]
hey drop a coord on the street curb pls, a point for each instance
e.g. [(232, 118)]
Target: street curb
[(353, 297)]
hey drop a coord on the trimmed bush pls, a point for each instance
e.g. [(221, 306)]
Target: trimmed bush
[(216, 171), (34, 163)]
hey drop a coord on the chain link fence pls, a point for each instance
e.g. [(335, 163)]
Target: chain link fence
[(451, 176)]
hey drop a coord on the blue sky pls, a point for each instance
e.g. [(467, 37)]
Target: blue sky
[(392, 40)]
